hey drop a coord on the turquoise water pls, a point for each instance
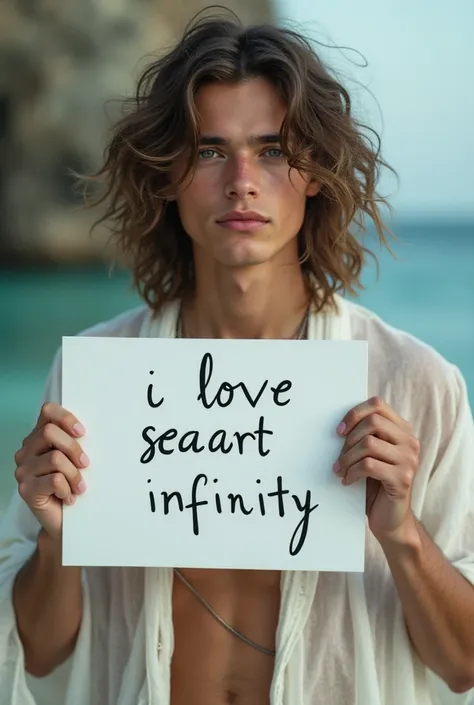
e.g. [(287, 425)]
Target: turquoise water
[(429, 292)]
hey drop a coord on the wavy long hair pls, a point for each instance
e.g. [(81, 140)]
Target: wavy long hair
[(319, 134)]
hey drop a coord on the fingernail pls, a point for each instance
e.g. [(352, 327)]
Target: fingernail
[(81, 487), (84, 460), (70, 500), (336, 467), (341, 427), (79, 429)]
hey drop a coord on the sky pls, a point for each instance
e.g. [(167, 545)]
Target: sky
[(421, 72)]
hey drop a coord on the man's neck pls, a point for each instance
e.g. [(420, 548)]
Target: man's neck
[(255, 304)]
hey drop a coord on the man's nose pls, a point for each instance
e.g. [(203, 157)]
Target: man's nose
[(242, 179)]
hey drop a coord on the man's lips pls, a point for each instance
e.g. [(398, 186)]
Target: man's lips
[(244, 225), (243, 220)]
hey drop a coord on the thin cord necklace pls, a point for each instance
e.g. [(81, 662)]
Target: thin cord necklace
[(231, 629), (300, 334)]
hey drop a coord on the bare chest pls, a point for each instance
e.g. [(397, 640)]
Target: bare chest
[(211, 665)]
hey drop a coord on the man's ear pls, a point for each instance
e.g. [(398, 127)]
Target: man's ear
[(313, 188)]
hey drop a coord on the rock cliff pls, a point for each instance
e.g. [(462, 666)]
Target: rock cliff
[(61, 61)]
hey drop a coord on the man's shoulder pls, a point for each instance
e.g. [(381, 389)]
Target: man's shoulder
[(398, 358), (125, 325)]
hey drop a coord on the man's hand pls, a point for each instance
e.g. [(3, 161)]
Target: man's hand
[(380, 446), (48, 466)]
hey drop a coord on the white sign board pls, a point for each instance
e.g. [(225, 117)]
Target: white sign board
[(214, 453)]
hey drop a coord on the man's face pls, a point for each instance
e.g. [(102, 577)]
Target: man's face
[(241, 168)]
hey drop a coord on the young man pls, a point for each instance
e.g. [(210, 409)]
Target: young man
[(238, 185)]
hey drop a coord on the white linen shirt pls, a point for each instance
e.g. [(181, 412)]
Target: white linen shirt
[(341, 637)]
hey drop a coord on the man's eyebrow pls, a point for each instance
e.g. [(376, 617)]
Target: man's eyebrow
[(211, 140)]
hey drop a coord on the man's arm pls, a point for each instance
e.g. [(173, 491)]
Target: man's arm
[(437, 600), (438, 603), (47, 598)]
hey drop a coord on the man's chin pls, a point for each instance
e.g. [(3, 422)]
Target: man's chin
[(245, 262), (243, 257)]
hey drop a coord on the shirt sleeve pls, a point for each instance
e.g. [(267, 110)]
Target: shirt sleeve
[(448, 508), (18, 537)]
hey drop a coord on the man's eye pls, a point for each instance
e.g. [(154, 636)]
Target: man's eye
[(207, 154), (274, 152)]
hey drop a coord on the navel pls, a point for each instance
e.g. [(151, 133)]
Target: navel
[(231, 697)]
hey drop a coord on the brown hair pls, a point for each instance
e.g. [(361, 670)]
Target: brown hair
[(319, 133)]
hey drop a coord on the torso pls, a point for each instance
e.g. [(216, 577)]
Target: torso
[(210, 665)]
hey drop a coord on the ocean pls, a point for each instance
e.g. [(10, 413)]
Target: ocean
[(428, 291)]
